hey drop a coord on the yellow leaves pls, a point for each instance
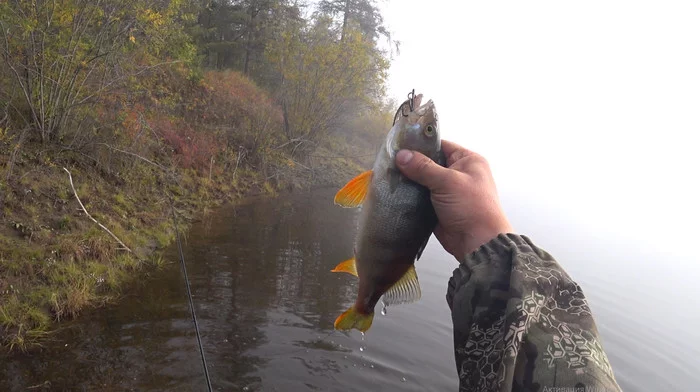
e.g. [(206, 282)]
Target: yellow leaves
[(65, 16), (322, 74), (132, 39), (154, 17)]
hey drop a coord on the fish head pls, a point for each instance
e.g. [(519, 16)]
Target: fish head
[(415, 128)]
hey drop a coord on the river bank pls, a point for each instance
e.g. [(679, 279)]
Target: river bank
[(140, 101), (265, 297), (55, 261)]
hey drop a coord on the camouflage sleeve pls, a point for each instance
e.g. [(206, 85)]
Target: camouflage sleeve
[(522, 324)]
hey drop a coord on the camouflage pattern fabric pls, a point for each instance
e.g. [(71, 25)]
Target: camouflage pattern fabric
[(522, 324)]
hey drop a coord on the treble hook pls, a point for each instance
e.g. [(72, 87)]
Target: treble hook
[(411, 96)]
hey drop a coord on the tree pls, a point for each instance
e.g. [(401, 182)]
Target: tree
[(324, 80), (61, 55), (233, 33), (364, 14)]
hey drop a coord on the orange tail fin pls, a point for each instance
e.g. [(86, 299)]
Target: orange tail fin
[(351, 318)]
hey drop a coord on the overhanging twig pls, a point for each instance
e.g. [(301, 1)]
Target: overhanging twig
[(70, 177)]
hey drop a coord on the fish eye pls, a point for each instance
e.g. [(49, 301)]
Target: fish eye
[(429, 130)]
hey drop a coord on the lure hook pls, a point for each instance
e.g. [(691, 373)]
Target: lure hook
[(411, 96)]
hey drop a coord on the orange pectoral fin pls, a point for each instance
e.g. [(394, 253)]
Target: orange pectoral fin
[(346, 266), (354, 192)]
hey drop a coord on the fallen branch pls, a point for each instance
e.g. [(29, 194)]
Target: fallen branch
[(90, 216), (299, 141), (42, 385), (135, 155)]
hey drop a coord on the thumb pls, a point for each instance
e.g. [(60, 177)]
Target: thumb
[(421, 169)]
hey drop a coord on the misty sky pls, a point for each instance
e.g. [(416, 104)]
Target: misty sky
[(589, 113), (588, 109)]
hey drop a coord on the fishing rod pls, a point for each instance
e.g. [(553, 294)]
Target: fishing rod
[(189, 294)]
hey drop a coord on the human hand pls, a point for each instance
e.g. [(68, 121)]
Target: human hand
[(463, 194)]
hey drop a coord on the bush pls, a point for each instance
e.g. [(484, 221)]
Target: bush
[(244, 113)]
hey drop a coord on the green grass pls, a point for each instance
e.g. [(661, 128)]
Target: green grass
[(55, 262)]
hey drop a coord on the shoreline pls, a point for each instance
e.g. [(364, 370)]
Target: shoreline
[(56, 262)]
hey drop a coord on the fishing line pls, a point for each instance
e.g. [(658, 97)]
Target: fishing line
[(189, 294)]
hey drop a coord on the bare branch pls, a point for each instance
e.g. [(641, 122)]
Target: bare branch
[(295, 140), (70, 177), (135, 155), (119, 79)]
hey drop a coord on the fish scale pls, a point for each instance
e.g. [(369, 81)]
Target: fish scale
[(396, 217)]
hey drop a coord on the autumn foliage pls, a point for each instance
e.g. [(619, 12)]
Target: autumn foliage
[(207, 100)]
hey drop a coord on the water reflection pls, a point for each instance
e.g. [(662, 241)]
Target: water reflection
[(266, 301)]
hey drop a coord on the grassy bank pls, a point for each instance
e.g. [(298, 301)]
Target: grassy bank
[(204, 101), (55, 261)]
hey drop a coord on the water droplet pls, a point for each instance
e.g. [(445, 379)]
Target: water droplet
[(384, 311), (403, 379), (363, 335), (354, 365), (372, 366), (362, 348), (345, 356), (245, 388)]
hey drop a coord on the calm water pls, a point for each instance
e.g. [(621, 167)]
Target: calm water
[(266, 302)]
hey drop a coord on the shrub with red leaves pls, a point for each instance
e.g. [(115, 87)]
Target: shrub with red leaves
[(193, 149), (244, 112)]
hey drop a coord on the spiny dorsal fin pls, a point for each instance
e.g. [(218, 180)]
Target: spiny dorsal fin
[(354, 192), (346, 266), (405, 291)]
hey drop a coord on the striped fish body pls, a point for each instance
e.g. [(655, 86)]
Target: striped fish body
[(395, 223), (396, 218)]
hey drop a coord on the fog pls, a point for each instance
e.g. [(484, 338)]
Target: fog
[(588, 113), (589, 109)]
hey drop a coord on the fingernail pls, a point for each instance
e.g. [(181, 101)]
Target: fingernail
[(404, 156)]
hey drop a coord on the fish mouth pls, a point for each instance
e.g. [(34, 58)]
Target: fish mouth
[(408, 106), (428, 109), (410, 118), (411, 110)]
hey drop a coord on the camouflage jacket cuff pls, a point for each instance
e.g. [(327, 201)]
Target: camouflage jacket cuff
[(521, 323)]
